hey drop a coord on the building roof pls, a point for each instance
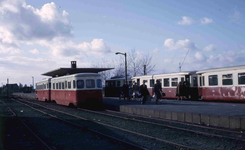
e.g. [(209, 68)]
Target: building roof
[(66, 71)]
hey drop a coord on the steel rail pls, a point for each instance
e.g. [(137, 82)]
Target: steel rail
[(104, 124), (29, 129), (177, 122), (84, 127)]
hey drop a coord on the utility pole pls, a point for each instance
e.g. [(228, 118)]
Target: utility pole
[(8, 88)]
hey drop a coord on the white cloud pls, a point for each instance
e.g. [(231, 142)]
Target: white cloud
[(186, 44), (24, 24), (34, 51), (200, 56), (206, 20), (236, 17), (210, 47), (186, 21)]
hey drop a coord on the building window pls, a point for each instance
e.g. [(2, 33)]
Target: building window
[(152, 83), (80, 84), (174, 81), (90, 83), (241, 78), (99, 84), (74, 84), (118, 83), (194, 81), (213, 80), (166, 82), (227, 79), (69, 85)]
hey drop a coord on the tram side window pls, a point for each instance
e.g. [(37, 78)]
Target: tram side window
[(241, 78), (194, 81), (160, 81), (63, 85), (227, 79), (213, 80), (166, 82), (174, 81), (99, 84), (53, 85), (80, 84), (152, 83), (60, 85), (69, 85), (57, 87), (203, 81), (74, 84), (90, 83)]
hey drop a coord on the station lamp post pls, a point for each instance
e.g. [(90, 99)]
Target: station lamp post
[(32, 84), (125, 54)]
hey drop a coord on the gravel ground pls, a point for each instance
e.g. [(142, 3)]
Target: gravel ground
[(181, 137), (60, 135)]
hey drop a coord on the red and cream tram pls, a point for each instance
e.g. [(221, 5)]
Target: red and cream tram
[(223, 84), (76, 89), (43, 90), (169, 82)]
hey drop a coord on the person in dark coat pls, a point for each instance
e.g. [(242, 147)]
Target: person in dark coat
[(125, 90), (135, 91), (158, 91), (180, 91), (144, 92)]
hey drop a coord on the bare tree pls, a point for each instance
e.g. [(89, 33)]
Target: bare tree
[(137, 61)]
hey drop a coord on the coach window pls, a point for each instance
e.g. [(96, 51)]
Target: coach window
[(152, 83), (203, 80), (69, 85), (57, 87), (227, 79), (60, 85), (90, 83), (166, 82), (80, 84), (174, 81), (99, 84), (74, 84), (63, 85), (213, 80), (241, 78), (53, 85), (160, 81), (194, 81)]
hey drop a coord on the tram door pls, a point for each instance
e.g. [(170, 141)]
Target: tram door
[(138, 82), (187, 79)]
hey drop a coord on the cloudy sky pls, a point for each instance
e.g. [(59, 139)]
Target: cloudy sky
[(40, 36)]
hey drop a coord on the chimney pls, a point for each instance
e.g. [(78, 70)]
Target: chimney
[(73, 64)]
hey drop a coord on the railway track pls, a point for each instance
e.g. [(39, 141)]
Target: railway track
[(132, 118), (174, 144), (27, 127)]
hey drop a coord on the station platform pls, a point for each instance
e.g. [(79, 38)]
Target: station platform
[(218, 114)]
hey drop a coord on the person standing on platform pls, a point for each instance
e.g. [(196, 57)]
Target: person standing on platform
[(125, 90), (135, 90), (158, 91), (130, 92), (179, 91), (144, 92)]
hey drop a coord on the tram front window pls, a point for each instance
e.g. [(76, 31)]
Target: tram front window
[(90, 83), (99, 85), (80, 84)]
